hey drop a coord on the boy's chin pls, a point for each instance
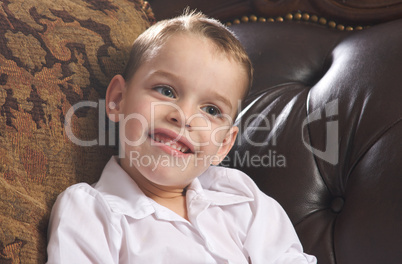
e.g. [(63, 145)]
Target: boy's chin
[(171, 179), (177, 175)]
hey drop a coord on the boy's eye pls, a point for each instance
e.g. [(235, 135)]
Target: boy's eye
[(212, 110), (166, 91)]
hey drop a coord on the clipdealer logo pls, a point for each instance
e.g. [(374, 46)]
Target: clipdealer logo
[(331, 152), (272, 159)]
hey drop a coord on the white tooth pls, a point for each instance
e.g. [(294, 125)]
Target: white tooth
[(174, 146), (157, 139), (179, 148), (167, 143)]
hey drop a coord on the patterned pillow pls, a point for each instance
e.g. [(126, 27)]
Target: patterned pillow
[(55, 54)]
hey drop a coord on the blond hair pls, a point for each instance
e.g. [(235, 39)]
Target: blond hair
[(190, 22)]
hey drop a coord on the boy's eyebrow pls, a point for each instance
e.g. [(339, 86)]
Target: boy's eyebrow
[(214, 94)]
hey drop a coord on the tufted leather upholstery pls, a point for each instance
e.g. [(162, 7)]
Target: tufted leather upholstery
[(324, 117)]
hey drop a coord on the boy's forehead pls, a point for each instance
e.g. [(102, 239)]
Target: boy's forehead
[(180, 40)]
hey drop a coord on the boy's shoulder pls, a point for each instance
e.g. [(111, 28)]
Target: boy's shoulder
[(80, 192), (81, 187), (80, 198)]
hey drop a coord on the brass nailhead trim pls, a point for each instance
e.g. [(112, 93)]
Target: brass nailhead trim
[(332, 24), (279, 19), (314, 18), (295, 16), (289, 17), (244, 19), (322, 21)]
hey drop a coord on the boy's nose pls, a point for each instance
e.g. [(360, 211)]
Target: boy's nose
[(184, 116), (178, 117)]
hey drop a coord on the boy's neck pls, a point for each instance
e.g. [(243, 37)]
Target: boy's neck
[(173, 200), (177, 204), (160, 192)]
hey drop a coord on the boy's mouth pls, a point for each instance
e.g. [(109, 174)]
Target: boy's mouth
[(173, 141)]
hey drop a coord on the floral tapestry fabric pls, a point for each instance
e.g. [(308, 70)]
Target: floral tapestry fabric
[(55, 54)]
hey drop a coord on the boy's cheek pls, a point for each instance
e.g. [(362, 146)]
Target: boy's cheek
[(132, 128), (207, 139), (218, 136)]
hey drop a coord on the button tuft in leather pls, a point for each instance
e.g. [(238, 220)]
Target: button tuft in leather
[(337, 204)]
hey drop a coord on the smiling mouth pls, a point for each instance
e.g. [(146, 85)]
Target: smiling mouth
[(172, 143)]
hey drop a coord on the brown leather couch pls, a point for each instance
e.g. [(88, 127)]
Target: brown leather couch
[(330, 103), (321, 131)]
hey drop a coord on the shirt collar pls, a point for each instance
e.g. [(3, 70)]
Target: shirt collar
[(221, 186), (197, 190), (213, 188), (122, 193)]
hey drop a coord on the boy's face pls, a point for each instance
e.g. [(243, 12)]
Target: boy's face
[(176, 112)]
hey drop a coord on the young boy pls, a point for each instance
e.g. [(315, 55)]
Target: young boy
[(160, 201)]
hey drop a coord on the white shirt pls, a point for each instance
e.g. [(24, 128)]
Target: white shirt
[(230, 221)]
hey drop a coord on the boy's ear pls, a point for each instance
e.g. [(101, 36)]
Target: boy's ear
[(114, 97), (227, 145)]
